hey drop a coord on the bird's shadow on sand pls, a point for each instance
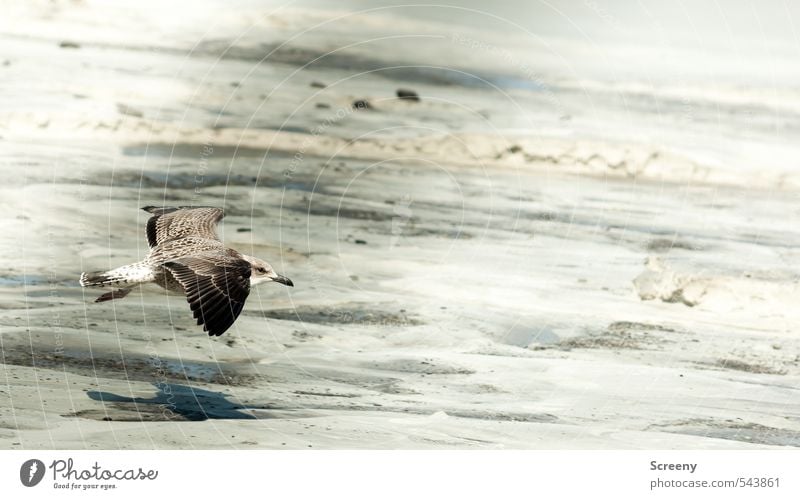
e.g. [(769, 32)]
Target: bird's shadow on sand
[(174, 402)]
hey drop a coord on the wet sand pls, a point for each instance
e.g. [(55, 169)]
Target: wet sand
[(460, 281)]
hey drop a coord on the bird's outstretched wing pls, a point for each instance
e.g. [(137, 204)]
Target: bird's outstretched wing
[(172, 223), (216, 288)]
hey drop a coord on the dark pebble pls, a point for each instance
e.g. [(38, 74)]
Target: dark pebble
[(69, 45), (404, 93), (318, 84), (360, 241)]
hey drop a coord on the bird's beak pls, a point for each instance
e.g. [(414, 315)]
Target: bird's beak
[(283, 280)]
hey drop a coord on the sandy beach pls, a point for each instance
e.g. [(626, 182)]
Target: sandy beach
[(532, 255)]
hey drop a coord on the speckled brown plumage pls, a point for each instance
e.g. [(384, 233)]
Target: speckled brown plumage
[(173, 223), (187, 256)]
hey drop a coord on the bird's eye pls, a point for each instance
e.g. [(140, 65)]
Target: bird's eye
[(261, 270)]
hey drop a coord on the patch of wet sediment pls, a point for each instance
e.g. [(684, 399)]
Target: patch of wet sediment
[(418, 366), (351, 314), (315, 59), (343, 212), (177, 180), (664, 245), (380, 384), (198, 151), (389, 222), (733, 429), (326, 393), (406, 229), (112, 365), (624, 335), (744, 366)]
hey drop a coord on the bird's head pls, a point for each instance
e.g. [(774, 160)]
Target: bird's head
[(261, 271)]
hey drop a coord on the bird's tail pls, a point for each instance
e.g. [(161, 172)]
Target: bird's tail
[(127, 275)]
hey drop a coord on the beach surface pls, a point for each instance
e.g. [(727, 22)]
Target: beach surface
[(559, 245)]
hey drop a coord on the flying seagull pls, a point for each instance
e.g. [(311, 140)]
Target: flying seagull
[(187, 256)]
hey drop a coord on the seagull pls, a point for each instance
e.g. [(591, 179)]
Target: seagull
[(186, 256)]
